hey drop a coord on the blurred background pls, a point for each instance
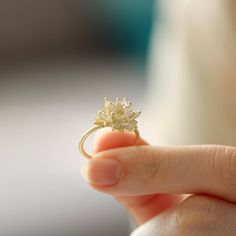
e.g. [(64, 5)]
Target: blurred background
[(58, 60)]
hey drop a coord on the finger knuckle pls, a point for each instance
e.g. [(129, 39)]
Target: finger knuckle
[(150, 164), (156, 165), (146, 169), (229, 172), (220, 164), (197, 214)]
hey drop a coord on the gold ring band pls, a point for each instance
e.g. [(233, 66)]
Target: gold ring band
[(94, 129), (118, 116)]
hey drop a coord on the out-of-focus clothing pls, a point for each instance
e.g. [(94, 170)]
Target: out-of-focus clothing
[(191, 96)]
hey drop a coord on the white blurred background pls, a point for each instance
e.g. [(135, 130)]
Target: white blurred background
[(59, 59), (44, 111)]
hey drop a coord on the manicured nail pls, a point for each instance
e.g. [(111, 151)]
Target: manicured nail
[(103, 172)]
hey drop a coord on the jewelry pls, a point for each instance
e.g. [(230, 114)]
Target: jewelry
[(118, 115)]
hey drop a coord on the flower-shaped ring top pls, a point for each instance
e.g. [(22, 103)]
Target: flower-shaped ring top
[(118, 115)]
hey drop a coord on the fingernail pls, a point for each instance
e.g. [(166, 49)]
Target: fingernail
[(103, 172)]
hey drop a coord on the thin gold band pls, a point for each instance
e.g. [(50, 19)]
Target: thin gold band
[(94, 129)]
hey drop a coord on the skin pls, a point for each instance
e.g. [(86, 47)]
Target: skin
[(152, 183)]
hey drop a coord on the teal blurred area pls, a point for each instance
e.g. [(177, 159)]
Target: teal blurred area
[(129, 23)]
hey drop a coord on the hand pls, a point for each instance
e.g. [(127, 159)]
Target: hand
[(149, 181)]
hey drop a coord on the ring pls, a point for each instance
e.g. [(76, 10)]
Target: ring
[(119, 116)]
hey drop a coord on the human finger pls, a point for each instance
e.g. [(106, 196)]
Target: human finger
[(142, 208), (142, 170)]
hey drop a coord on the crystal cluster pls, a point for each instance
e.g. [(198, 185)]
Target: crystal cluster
[(118, 115)]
